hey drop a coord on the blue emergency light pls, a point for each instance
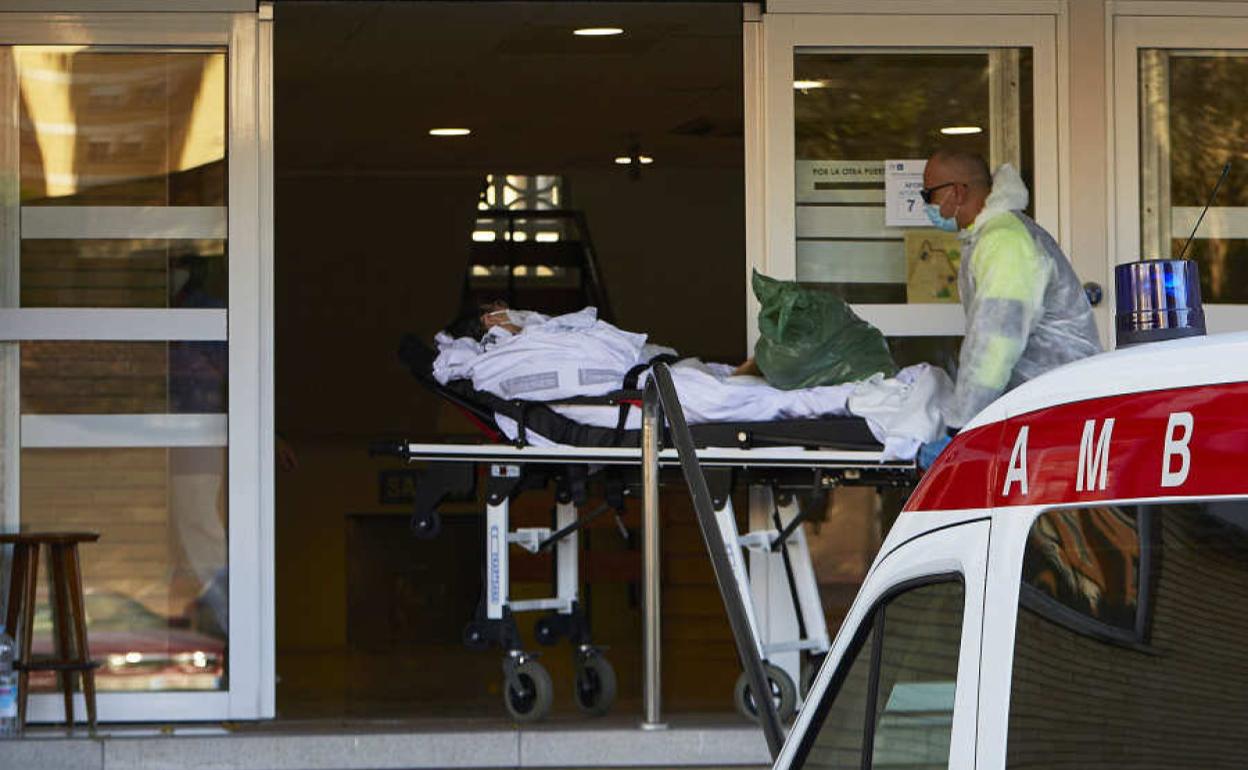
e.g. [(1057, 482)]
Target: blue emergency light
[(1158, 299)]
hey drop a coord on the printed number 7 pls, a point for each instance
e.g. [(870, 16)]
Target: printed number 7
[(909, 204)]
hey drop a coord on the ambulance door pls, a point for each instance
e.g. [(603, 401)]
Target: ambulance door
[(900, 685)]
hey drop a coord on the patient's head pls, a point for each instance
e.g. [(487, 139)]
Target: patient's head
[(495, 314), (476, 322)]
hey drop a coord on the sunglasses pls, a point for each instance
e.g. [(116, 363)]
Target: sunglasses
[(926, 192)]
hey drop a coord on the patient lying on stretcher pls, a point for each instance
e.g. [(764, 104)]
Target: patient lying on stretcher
[(524, 355)]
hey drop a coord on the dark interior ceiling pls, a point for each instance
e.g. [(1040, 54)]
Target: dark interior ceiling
[(358, 85)]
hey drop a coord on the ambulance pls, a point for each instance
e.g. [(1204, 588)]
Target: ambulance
[(1068, 585)]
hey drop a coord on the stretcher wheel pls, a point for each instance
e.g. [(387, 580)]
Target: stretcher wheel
[(595, 685), (531, 702), (427, 525), (783, 694)]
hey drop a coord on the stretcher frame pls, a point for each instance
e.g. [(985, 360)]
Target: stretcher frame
[(777, 552), (780, 548)]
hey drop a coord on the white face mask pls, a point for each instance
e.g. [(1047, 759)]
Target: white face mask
[(519, 318)]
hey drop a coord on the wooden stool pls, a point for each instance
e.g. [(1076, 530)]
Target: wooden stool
[(69, 622)]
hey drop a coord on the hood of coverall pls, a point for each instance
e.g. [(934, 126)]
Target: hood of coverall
[(1009, 193)]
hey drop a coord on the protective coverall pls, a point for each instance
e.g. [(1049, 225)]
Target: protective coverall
[(1026, 312)]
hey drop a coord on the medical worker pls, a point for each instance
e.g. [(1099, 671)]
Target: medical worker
[(1026, 312)]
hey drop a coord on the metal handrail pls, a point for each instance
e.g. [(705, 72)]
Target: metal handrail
[(593, 281), (660, 399)]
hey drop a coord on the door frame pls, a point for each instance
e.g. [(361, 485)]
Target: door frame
[(769, 121), (1194, 27), (247, 325)]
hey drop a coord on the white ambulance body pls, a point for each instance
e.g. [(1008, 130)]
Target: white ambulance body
[(1067, 587)]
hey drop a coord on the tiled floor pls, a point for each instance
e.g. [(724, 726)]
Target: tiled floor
[(616, 742)]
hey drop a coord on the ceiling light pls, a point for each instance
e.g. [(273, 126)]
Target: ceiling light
[(806, 85), (623, 160), (598, 31), (960, 130), (645, 160), (449, 131)]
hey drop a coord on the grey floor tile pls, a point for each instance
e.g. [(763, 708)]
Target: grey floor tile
[(51, 754)]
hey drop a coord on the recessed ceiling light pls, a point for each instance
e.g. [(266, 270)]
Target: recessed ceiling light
[(806, 85), (623, 160), (646, 160), (449, 131), (598, 31), (960, 130)]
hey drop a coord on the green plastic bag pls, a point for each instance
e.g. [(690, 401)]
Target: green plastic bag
[(808, 337)]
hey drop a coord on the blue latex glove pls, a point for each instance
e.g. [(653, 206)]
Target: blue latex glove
[(929, 452)]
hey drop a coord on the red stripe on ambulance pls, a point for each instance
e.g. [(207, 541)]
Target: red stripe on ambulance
[(1179, 442)]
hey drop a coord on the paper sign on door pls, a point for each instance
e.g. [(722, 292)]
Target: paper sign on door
[(903, 205)]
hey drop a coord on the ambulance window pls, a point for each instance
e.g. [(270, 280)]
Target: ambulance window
[(840, 740), (1172, 695), (1088, 568), (893, 703)]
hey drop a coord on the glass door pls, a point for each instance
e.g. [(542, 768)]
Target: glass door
[(131, 390), (1179, 112), (852, 101)]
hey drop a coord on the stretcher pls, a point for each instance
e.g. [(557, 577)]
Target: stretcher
[(789, 466)]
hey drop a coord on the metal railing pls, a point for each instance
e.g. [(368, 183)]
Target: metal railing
[(660, 399)]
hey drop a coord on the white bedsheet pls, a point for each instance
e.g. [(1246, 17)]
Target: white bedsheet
[(577, 354), (552, 358)]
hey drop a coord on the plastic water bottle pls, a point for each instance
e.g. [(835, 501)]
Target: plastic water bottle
[(8, 687)]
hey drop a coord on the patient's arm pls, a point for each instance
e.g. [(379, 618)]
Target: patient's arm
[(749, 367)]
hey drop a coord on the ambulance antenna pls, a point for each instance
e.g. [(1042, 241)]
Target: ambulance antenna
[(1226, 170)]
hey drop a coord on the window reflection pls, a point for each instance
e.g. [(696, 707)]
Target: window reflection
[(1192, 109), (138, 272), (156, 583), (97, 377), (891, 703), (1088, 561), (121, 128), (856, 108), (1173, 700), (128, 128)]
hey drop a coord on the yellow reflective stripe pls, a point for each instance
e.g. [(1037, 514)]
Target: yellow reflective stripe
[(996, 362), (1006, 263)]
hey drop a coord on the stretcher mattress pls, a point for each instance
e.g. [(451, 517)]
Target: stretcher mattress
[(840, 432)]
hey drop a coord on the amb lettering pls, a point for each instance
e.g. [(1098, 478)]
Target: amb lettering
[(1178, 438), (1091, 472), (1093, 460)]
